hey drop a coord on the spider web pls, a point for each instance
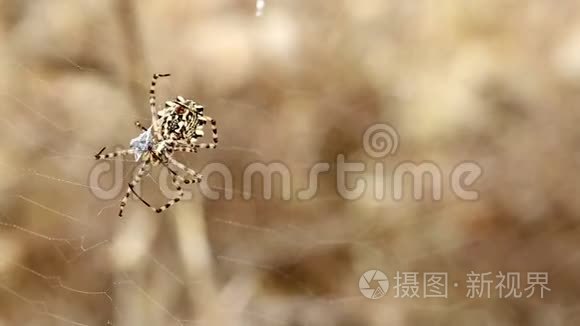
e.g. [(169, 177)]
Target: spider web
[(86, 246), (51, 215), (77, 240), (67, 259), (90, 249)]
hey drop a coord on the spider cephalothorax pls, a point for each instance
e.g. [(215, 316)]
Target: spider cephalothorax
[(176, 128)]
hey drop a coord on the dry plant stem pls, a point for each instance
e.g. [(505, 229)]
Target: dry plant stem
[(196, 257), (134, 61)]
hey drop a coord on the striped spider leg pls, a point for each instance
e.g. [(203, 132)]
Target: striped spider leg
[(153, 107), (121, 152), (176, 180), (189, 148), (165, 159), (196, 176), (132, 150), (151, 160), (214, 133)]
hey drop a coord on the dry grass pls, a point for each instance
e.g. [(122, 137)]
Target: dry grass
[(495, 82)]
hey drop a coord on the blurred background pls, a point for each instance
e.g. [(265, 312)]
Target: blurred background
[(297, 82)]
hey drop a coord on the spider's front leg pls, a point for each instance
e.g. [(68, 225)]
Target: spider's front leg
[(100, 155), (153, 105)]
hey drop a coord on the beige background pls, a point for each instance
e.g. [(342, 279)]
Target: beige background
[(495, 82)]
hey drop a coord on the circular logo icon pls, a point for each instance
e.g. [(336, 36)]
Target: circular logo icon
[(373, 284), (380, 140)]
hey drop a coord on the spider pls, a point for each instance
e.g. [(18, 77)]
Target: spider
[(175, 128)]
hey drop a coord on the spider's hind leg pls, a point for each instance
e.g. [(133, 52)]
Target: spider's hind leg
[(176, 180), (153, 105), (196, 176), (214, 131), (132, 184)]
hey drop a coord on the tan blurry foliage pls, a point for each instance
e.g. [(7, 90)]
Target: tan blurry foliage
[(495, 82)]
